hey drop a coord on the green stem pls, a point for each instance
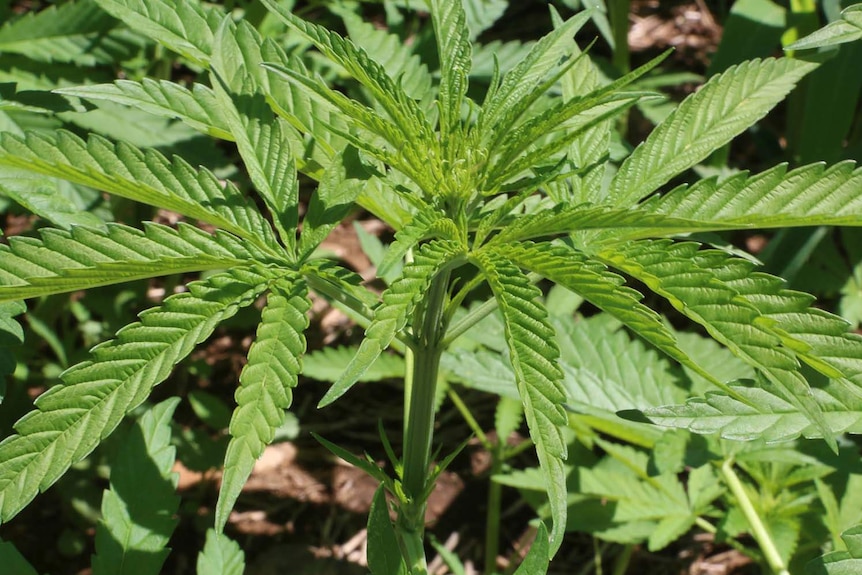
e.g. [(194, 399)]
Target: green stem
[(420, 388), (759, 530), (621, 564), (468, 417)]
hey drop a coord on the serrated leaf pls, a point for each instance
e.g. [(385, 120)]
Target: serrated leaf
[(453, 46), (83, 257), (508, 417), (534, 355), (384, 553), (47, 198), (220, 556), (592, 280), (341, 184), (138, 510), (505, 103), (401, 109), (429, 221), (726, 105), (183, 26), (756, 412), (669, 270), (806, 196), (71, 419), (391, 316), (265, 391), (74, 32), (143, 176), (847, 29), (537, 559), (197, 106), (240, 83)]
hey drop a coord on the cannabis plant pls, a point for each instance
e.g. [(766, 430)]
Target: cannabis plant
[(494, 195)]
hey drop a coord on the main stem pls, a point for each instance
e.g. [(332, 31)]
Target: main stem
[(420, 389)]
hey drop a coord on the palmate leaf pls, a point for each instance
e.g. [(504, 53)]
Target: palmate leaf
[(726, 105), (77, 32), (83, 257), (453, 45), (240, 83), (197, 106), (183, 26), (762, 414), (534, 355), (138, 510), (812, 195), (265, 386), (144, 176), (391, 316), (402, 110), (72, 418), (729, 317)]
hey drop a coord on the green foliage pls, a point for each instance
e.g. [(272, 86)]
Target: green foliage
[(138, 510), (486, 201)]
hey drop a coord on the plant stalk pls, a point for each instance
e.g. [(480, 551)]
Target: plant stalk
[(419, 392), (759, 530)]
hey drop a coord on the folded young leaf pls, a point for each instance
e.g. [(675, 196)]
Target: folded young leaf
[(71, 419), (424, 222), (266, 384), (534, 354), (145, 176), (450, 29), (83, 257), (726, 105), (391, 316)]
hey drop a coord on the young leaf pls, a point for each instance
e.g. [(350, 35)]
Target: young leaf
[(726, 105), (812, 195), (72, 418), (262, 141), (384, 554), (83, 257), (183, 26), (537, 559), (534, 355), (143, 176), (265, 390), (401, 109), (197, 107), (220, 556), (342, 183), (847, 29), (453, 44), (138, 510), (391, 316), (424, 222)]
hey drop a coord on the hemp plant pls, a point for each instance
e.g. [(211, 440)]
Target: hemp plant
[(496, 195)]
